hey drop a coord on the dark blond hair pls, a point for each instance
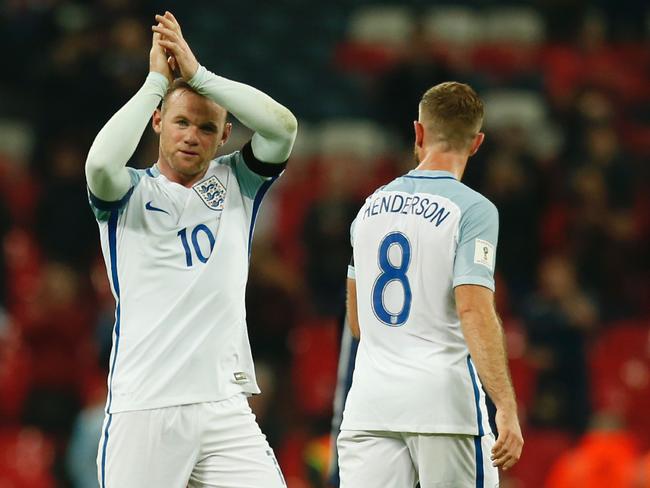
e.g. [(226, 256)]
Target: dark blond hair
[(181, 84), (452, 113), (177, 84)]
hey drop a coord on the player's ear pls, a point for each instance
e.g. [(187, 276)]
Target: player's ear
[(478, 140), (227, 129), (156, 121), (419, 133)]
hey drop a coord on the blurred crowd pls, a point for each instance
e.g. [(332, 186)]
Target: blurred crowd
[(565, 161)]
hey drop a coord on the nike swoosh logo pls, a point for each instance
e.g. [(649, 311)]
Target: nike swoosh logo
[(148, 206)]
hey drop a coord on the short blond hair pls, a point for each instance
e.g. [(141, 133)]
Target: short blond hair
[(452, 113), (181, 84)]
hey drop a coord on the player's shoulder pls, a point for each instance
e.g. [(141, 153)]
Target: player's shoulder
[(474, 199), (230, 160)]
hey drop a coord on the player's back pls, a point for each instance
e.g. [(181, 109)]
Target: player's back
[(413, 372)]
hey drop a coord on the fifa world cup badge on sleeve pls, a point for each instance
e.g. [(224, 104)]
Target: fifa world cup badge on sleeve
[(212, 192), (484, 253)]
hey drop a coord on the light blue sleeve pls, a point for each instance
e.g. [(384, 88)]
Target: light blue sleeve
[(477, 245), (102, 209), (351, 272), (249, 181)]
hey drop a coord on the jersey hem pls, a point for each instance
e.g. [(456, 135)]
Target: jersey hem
[(416, 429), (175, 402)]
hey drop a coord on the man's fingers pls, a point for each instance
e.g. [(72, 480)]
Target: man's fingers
[(171, 46), (164, 31), (171, 61), (156, 37), (499, 446), (506, 451), (170, 16), (500, 461), (169, 23), (506, 461)]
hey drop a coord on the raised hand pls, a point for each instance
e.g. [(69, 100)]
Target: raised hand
[(158, 59), (178, 49)]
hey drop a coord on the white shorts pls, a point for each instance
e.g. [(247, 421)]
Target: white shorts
[(372, 459), (213, 444)]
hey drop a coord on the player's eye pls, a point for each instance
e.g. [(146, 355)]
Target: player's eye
[(182, 122), (209, 129)]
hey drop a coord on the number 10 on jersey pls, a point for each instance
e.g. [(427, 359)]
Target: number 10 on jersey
[(199, 229), (389, 273)]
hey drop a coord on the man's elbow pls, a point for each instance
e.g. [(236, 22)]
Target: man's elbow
[(95, 170), (468, 314), (356, 332), (290, 125)]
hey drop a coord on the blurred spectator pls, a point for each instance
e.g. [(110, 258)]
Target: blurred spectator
[(513, 182), (56, 337), (268, 405), (400, 89), (559, 318), (273, 297), (126, 55), (601, 229), (606, 457), (592, 61), (26, 459), (326, 235), (643, 473), (64, 224), (104, 317), (81, 458)]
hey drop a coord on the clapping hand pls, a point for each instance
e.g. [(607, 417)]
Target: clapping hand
[(158, 61), (179, 54)]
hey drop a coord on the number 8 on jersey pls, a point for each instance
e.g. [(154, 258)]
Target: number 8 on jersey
[(389, 273)]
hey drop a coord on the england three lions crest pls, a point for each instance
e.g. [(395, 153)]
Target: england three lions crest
[(212, 192)]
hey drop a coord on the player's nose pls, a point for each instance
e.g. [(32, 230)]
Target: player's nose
[(191, 136)]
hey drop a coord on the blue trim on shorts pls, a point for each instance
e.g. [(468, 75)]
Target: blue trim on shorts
[(480, 475), (112, 246)]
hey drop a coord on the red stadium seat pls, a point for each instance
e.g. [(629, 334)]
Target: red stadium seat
[(620, 374), (522, 373), (26, 458), (315, 357)]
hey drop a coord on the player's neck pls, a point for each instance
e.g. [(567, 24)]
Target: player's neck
[(451, 162), (176, 177)]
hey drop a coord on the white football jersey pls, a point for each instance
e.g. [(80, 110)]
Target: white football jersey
[(177, 261), (414, 240)]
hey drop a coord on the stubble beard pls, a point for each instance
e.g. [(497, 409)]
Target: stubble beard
[(178, 164)]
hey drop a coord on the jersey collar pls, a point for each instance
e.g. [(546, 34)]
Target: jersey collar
[(430, 174), (153, 171)]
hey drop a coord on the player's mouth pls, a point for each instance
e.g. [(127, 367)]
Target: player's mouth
[(189, 153)]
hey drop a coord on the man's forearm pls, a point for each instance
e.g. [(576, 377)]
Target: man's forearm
[(351, 307), (485, 341), (274, 125), (106, 174)]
